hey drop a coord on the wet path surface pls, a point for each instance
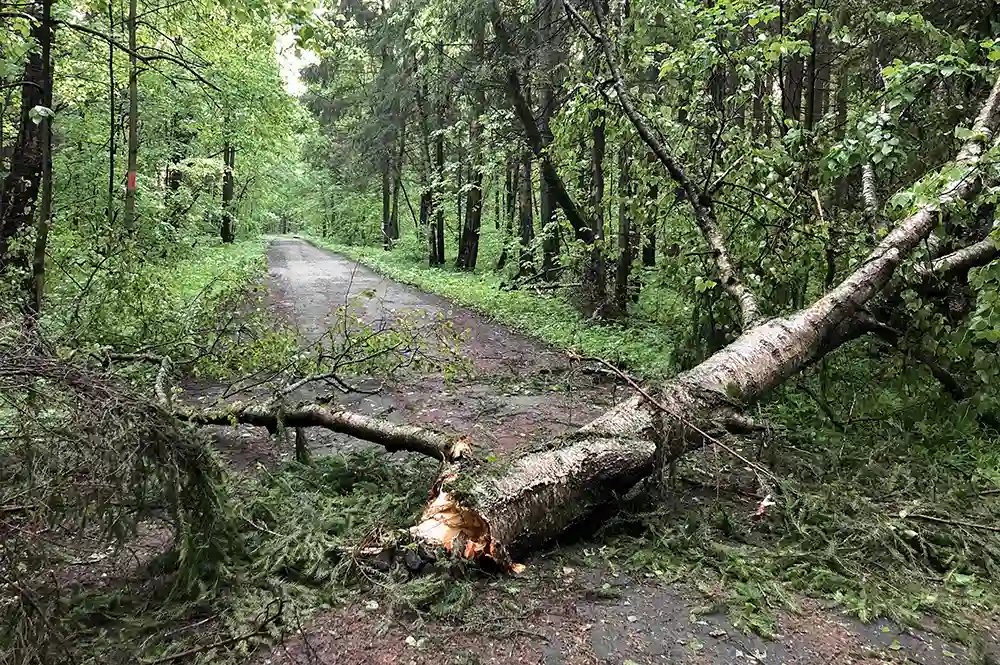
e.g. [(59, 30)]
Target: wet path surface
[(561, 613), (507, 390)]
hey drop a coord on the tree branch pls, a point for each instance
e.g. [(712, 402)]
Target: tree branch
[(142, 58), (389, 435), (704, 210), (965, 259)]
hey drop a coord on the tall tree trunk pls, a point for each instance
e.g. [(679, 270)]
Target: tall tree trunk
[(511, 190), (438, 252), (550, 12), (112, 120), (526, 258), (595, 272), (227, 232), (468, 254), (133, 118), (626, 250), (37, 289), (397, 179), (386, 203), (791, 69), (20, 188)]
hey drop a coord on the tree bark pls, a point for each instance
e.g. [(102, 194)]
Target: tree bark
[(37, 286), (20, 188), (626, 250), (226, 230), (386, 203), (595, 289), (526, 257), (481, 514), (550, 43), (133, 118), (389, 435), (468, 253)]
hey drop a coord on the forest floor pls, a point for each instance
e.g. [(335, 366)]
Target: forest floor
[(573, 604)]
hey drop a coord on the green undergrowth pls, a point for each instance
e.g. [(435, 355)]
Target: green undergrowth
[(645, 349), (204, 305), (893, 515), (298, 531)]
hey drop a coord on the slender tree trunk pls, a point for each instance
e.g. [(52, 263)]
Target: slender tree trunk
[(439, 202), (550, 44), (469, 251), (511, 190), (459, 228), (438, 251), (20, 187), (229, 157), (397, 180), (526, 258), (626, 251), (386, 203), (595, 272), (37, 289), (112, 121), (133, 118)]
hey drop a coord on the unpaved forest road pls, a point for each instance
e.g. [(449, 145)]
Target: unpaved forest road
[(564, 610)]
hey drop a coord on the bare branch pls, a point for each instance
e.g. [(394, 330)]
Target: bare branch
[(391, 436), (142, 58)]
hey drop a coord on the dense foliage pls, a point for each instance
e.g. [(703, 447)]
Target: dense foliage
[(613, 177)]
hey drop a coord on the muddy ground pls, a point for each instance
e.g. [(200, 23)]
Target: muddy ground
[(563, 610)]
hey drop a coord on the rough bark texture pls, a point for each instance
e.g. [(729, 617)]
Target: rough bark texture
[(389, 435), (468, 253), (595, 272), (133, 117), (550, 44), (37, 282), (526, 257)]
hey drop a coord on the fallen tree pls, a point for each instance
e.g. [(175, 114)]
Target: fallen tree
[(488, 510), (484, 511)]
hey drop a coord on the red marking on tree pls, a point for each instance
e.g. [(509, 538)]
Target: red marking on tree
[(131, 179)]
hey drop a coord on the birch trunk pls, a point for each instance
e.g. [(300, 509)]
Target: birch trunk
[(489, 512)]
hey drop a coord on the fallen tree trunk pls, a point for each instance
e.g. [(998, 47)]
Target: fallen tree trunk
[(485, 511)]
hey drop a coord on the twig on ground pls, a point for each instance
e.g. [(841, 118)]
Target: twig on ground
[(941, 520)]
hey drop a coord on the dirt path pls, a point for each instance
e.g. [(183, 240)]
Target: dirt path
[(565, 610)]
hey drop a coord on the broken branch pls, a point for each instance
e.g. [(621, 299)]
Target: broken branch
[(389, 435)]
